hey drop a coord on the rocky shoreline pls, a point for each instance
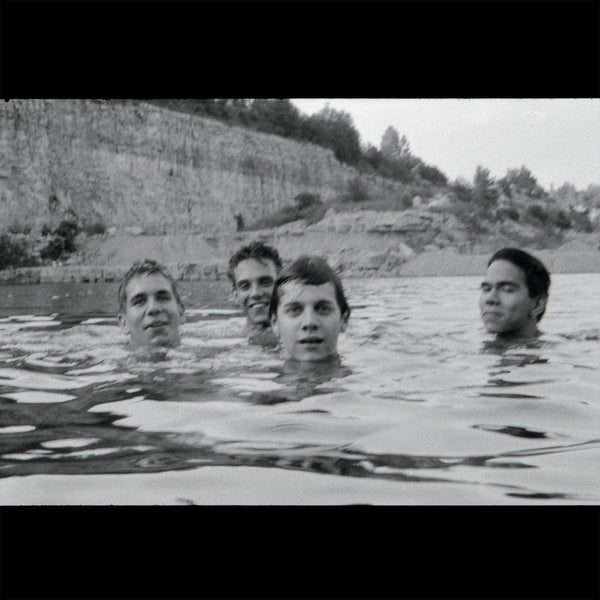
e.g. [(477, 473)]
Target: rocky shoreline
[(410, 243), (446, 262)]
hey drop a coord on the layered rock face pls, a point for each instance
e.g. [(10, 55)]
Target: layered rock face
[(134, 164)]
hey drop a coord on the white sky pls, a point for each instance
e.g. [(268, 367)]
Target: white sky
[(558, 140)]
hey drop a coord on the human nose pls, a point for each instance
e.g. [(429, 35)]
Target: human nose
[(491, 296), (255, 290), (153, 306), (309, 319)]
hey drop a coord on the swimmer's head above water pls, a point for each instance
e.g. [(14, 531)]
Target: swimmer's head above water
[(252, 271), (514, 294), (309, 310), (150, 309)]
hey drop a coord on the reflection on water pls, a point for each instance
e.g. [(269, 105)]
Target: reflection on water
[(422, 395)]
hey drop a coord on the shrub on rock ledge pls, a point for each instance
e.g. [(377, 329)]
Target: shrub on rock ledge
[(14, 252)]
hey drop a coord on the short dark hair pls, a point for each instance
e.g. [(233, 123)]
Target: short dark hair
[(310, 270), (145, 267), (536, 274), (257, 250)]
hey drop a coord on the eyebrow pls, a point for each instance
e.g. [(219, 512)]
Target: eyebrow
[(144, 294), (323, 302), (259, 278), (503, 282)]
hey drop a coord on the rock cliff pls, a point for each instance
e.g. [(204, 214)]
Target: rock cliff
[(135, 164)]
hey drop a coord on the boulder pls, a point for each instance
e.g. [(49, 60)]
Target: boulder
[(134, 230), (440, 201), (404, 251), (394, 259), (376, 260)]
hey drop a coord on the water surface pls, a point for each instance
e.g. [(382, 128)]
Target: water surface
[(424, 408)]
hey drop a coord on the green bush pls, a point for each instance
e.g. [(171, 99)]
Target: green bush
[(433, 174), (239, 222), (305, 200), (61, 242), (536, 215), (462, 191), (562, 221), (357, 192), (313, 214), (286, 214), (14, 252), (507, 213), (95, 228), (581, 221)]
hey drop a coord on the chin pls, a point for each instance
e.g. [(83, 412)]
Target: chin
[(162, 343), (313, 357), (261, 324), (493, 326)]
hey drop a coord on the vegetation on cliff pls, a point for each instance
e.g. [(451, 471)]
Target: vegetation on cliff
[(479, 204), (329, 128), (514, 207)]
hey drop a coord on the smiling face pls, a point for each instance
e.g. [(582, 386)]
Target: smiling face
[(152, 314), (308, 321), (505, 304), (254, 281)]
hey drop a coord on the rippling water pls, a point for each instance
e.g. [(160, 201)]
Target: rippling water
[(424, 408)]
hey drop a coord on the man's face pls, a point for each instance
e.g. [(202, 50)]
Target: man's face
[(505, 304), (308, 321), (152, 314), (254, 281)]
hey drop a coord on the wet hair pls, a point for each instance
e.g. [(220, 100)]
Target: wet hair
[(536, 274), (310, 270), (257, 250), (142, 268)]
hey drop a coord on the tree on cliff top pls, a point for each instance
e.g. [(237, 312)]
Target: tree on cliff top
[(393, 146), (485, 192), (333, 129), (278, 116), (521, 181)]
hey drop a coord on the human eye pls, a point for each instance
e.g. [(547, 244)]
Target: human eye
[(292, 309), (265, 281), (243, 285), (137, 300), (163, 296), (325, 309), (485, 287), (509, 288)]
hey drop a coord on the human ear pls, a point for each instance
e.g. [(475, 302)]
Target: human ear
[(275, 326), (344, 323), (236, 297), (122, 320), (539, 306)]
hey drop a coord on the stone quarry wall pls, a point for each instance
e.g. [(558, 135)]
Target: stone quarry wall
[(134, 164)]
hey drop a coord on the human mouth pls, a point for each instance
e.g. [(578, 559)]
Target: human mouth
[(156, 325), (311, 340), (258, 306)]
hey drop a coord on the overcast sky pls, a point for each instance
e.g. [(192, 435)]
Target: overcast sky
[(558, 140)]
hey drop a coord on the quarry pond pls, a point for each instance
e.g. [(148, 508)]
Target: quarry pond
[(424, 408)]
